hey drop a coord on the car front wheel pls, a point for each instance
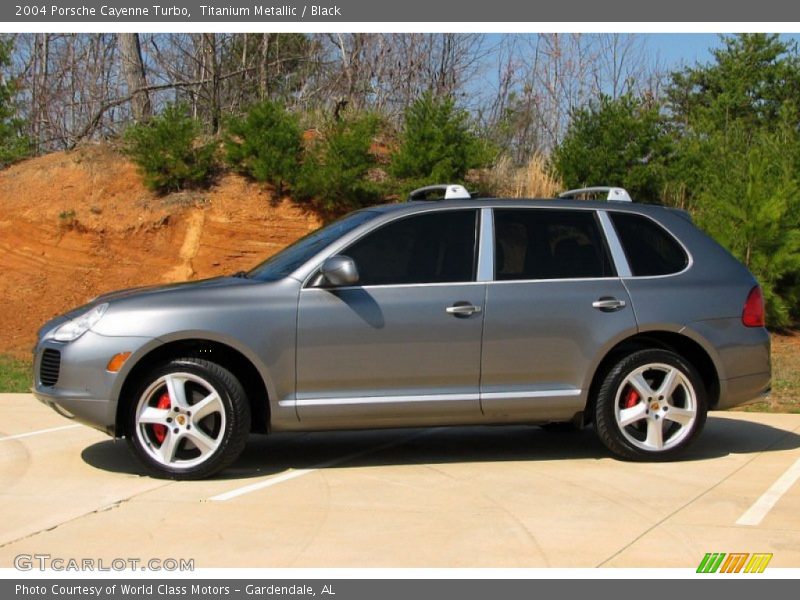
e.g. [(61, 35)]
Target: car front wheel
[(188, 420), (650, 406)]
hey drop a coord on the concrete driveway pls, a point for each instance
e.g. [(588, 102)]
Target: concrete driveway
[(469, 497)]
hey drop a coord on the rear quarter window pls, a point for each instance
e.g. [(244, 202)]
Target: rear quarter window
[(649, 248)]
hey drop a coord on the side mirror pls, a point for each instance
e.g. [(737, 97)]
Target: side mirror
[(338, 271)]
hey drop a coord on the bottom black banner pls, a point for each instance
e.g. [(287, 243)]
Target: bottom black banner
[(386, 589)]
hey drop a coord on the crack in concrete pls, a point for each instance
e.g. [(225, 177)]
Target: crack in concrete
[(105, 508), (786, 435)]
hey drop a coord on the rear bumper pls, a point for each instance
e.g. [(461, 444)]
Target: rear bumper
[(743, 390), (741, 357)]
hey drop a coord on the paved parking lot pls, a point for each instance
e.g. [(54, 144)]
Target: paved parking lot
[(470, 497)]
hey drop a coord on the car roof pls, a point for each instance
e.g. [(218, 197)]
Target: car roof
[(425, 205)]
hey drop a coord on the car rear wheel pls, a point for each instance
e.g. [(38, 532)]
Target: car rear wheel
[(188, 420), (651, 406)]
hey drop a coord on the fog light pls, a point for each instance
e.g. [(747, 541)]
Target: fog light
[(116, 362)]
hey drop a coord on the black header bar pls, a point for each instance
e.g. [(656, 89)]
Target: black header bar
[(364, 11)]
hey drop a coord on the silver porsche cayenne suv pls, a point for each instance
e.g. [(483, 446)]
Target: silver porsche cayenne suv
[(457, 312)]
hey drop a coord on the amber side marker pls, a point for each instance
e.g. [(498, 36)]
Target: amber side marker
[(116, 362)]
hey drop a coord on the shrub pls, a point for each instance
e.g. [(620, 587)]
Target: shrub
[(265, 144), (335, 173), (438, 145), (167, 152)]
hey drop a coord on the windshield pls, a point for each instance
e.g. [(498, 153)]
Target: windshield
[(286, 261)]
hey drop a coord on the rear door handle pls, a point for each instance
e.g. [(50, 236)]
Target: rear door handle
[(462, 309), (608, 304)]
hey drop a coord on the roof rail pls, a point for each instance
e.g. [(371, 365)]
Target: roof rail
[(447, 191), (617, 194)]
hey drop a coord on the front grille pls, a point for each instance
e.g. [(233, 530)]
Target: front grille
[(50, 367)]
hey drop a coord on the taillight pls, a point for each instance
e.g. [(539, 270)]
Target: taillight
[(753, 313)]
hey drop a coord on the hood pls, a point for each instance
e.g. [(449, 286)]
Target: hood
[(152, 290), (144, 292)]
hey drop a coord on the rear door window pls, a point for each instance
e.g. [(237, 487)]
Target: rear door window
[(549, 244)]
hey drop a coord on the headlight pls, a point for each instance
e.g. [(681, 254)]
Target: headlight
[(72, 330)]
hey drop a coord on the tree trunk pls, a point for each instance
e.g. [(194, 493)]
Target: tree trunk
[(211, 81), (39, 90), (133, 69), (263, 66)]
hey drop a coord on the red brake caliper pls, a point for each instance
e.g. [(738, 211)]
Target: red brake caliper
[(160, 431), (631, 399)]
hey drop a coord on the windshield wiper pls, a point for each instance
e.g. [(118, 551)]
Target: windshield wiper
[(241, 275)]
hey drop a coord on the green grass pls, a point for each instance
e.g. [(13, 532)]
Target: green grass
[(15, 374)]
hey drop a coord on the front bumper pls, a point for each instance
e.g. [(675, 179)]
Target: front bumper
[(95, 412), (81, 388)]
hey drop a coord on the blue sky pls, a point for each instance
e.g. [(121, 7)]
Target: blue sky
[(673, 51), (682, 48), (676, 49)]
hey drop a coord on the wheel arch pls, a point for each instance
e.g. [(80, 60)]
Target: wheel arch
[(679, 343), (228, 357)]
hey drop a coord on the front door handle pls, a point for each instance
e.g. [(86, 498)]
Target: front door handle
[(462, 309), (608, 304)]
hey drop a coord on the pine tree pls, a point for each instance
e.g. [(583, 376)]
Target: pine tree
[(336, 167), (167, 153), (750, 203), (265, 144), (620, 142), (14, 144), (738, 159), (438, 145)]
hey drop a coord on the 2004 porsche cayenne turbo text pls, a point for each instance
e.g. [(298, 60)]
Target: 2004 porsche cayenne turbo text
[(55, 10), (457, 312)]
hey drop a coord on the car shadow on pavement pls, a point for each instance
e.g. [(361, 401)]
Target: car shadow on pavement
[(267, 455)]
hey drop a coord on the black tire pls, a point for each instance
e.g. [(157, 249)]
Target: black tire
[(171, 441), (635, 422)]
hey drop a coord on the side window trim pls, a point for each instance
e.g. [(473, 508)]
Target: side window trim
[(486, 246), (614, 245)]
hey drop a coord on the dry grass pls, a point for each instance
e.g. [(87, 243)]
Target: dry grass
[(533, 180)]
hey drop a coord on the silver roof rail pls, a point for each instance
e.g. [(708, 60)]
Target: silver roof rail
[(448, 190), (617, 194)]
